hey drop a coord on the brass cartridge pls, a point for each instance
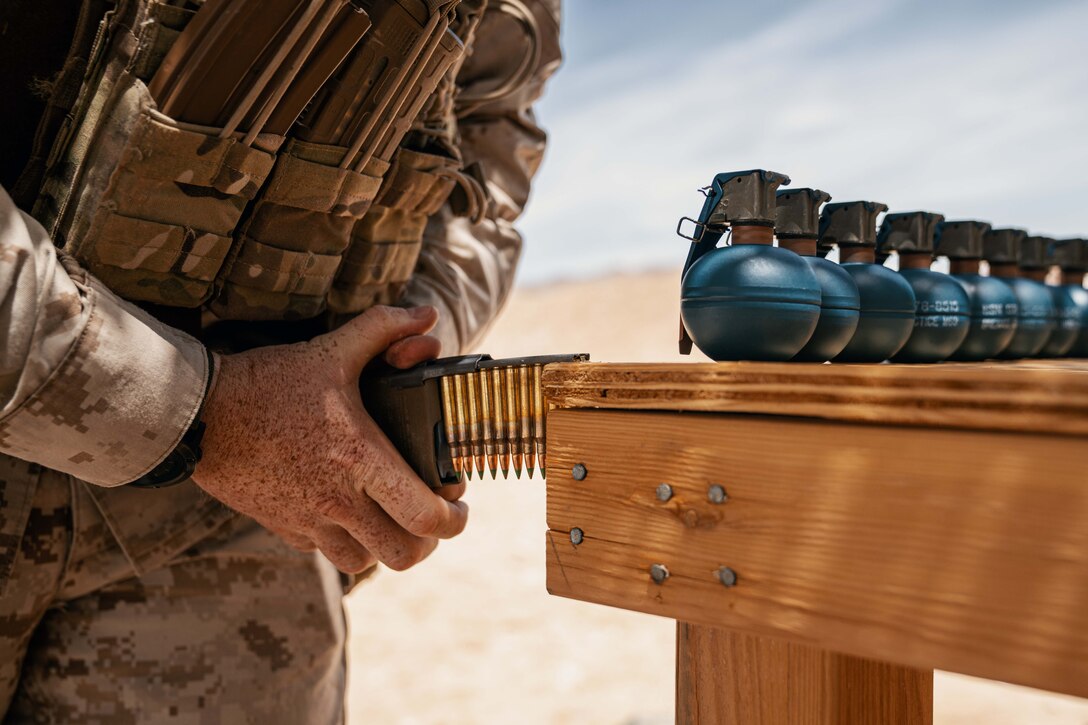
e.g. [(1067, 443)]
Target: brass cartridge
[(511, 414), (449, 419), (475, 425), (486, 422), (525, 418), (539, 417), (460, 425), (502, 444)]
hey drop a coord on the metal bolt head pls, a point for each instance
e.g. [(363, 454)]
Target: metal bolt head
[(716, 494), (664, 492), (579, 472), (659, 573), (727, 576), (576, 536)]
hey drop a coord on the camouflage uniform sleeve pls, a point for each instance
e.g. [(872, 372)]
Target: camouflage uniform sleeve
[(89, 384), (465, 269)]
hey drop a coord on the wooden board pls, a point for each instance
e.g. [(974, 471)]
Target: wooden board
[(956, 550), (741, 679), (1047, 396)]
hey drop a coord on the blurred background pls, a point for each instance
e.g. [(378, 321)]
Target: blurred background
[(972, 109)]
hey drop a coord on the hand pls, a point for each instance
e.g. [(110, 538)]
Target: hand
[(289, 443)]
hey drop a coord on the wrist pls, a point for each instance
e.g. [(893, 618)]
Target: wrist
[(179, 464)]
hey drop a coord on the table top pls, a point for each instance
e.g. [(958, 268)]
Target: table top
[(928, 515), (1042, 396)]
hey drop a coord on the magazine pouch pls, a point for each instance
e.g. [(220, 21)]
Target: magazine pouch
[(386, 242), (292, 242), (158, 200)]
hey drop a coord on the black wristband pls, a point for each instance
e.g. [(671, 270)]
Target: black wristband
[(180, 463)]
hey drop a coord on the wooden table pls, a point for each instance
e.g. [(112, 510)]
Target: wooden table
[(872, 523)]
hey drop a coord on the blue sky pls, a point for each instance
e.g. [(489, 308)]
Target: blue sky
[(972, 109)]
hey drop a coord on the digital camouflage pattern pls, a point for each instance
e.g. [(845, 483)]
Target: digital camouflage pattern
[(237, 628), (89, 384), (123, 603)]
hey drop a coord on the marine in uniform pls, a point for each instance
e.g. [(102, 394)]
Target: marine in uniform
[(122, 325)]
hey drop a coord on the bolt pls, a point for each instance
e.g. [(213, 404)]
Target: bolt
[(716, 494), (659, 573), (576, 536), (579, 472), (727, 576), (664, 492)]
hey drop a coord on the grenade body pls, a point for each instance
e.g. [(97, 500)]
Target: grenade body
[(1071, 314), (1070, 337), (887, 313), (750, 302), (993, 317), (840, 310), (1035, 321), (942, 317)]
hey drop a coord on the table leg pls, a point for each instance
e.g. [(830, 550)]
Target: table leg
[(727, 677)]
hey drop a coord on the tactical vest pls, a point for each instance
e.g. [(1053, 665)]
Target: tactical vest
[(175, 214)]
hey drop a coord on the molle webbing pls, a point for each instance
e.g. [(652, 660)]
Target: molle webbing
[(253, 227), (386, 242), (291, 247)]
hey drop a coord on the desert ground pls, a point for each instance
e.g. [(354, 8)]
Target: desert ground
[(471, 635)]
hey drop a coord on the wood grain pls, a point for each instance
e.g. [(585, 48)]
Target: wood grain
[(741, 679), (1050, 396), (956, 550)]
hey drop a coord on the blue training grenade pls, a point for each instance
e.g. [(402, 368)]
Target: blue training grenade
[(1066, 312), (1015, 258), (993, 304), (1071, 255), (797, 224), (887, 301), (941, 318), (749, 300)]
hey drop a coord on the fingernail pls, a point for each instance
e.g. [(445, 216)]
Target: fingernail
[(421, 312)]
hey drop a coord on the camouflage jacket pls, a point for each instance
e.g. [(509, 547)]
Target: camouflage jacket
[(93, 386)]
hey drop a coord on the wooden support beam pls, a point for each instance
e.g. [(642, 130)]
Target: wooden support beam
[(1048, 396), (730, 678), (948, 549)]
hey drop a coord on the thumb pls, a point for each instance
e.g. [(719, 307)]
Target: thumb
[(367, 336)]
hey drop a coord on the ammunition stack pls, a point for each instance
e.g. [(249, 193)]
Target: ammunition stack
[(494, 420), (457, 416)]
